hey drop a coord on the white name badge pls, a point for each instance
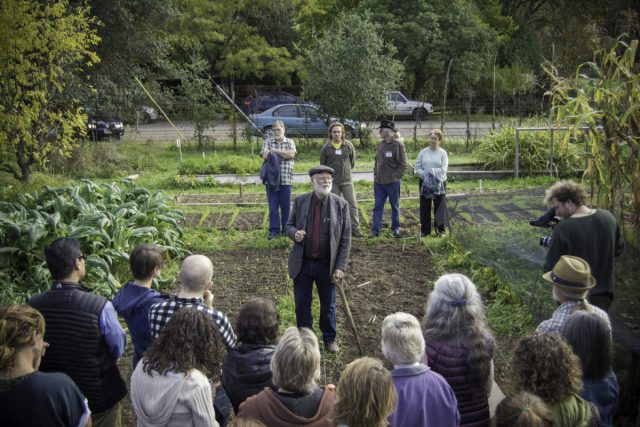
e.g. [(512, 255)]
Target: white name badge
[(339, 152), (388, 154)]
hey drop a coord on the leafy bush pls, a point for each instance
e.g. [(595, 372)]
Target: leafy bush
[(497, 151), (108, 220), (97, 160), (191, 182), (217, 165)]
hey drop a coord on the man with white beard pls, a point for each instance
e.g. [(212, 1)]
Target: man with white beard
[(320, 228)]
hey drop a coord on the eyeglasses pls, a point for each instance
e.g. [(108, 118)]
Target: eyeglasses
[(82, 256)]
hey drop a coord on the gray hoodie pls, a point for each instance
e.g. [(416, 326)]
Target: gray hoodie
[(172, 400)]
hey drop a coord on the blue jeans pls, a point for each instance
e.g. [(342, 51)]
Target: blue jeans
[(279, 207), (222, 406), (380, 194), (316, 271)]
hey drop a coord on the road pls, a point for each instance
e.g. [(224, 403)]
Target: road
[(163, 131)]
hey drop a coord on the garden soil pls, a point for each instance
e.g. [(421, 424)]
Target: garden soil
[(384, 278)]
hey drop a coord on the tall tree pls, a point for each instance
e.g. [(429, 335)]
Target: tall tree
[(428, 34), (233, 47), (43, 47), (350, 68), (197, 91), (133, 44)]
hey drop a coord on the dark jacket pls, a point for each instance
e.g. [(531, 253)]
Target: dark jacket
[(133, 302), (342, 163), (340, 236), (473, 398), (77, 347), (390, 162), (270, 172), (596, 238), (247, 371)]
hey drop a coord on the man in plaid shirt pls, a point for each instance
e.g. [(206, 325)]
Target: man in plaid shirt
[(196, 278), (571, 280), (280, 199)]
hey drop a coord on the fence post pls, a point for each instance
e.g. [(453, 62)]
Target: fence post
[(551, 153), (516, 165)]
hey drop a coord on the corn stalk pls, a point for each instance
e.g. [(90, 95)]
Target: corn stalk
[(604, 95)]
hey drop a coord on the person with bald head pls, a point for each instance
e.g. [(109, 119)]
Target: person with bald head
[(195, 278)]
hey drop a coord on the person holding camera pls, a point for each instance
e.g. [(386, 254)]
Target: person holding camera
[(591, 234)]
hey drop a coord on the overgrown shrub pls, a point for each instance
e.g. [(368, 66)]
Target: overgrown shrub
[(215, 164), (497, 152), (99, 159), (108, 220)]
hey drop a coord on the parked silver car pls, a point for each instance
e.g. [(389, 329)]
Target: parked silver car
[(301, 120), (401, 106)]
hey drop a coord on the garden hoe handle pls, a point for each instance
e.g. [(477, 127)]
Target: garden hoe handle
[(349, 315)]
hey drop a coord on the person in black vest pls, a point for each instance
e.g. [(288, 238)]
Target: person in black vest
[(83, 331)]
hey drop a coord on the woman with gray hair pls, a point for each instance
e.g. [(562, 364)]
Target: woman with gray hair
[(298, 401), (424, 397), (460, 346)]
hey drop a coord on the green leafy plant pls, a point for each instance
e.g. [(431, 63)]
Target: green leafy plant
[(497, 151), (108, 220), (221, 164)]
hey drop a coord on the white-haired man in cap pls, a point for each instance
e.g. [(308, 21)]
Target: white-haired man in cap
[(571, 279), (320, 228)]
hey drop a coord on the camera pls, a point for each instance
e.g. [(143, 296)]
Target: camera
[(545, 241)]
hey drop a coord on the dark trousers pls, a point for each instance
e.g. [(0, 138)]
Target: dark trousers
[(425, 213), (279, 207), (316, 271), (222, 406)]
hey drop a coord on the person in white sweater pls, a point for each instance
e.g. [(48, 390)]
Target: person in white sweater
[(431, 167), (171, 386)]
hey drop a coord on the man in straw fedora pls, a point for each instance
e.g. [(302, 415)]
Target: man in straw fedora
[(571, 279)]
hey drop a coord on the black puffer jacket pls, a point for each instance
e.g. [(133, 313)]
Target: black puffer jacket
[(246, 371)]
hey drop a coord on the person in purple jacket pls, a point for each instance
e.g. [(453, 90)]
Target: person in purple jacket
[(460, 345), (424, 397), (134, 300)]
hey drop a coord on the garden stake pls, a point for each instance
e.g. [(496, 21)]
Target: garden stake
[(346, 306)]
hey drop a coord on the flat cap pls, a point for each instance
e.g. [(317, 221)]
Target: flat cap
[(320, 169)]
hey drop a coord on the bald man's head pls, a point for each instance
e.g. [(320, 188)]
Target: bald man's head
[(196, 273)]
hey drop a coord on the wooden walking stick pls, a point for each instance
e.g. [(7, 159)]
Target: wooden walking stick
[(349, 315)]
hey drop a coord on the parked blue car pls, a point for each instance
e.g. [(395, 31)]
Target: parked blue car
[(301, 120), (258, 103)]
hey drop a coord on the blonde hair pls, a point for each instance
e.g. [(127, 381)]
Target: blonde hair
[(366, 395), (402, 340), (296, 362), (246, 422), (437, 132), (17, 325), (523, 410)]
